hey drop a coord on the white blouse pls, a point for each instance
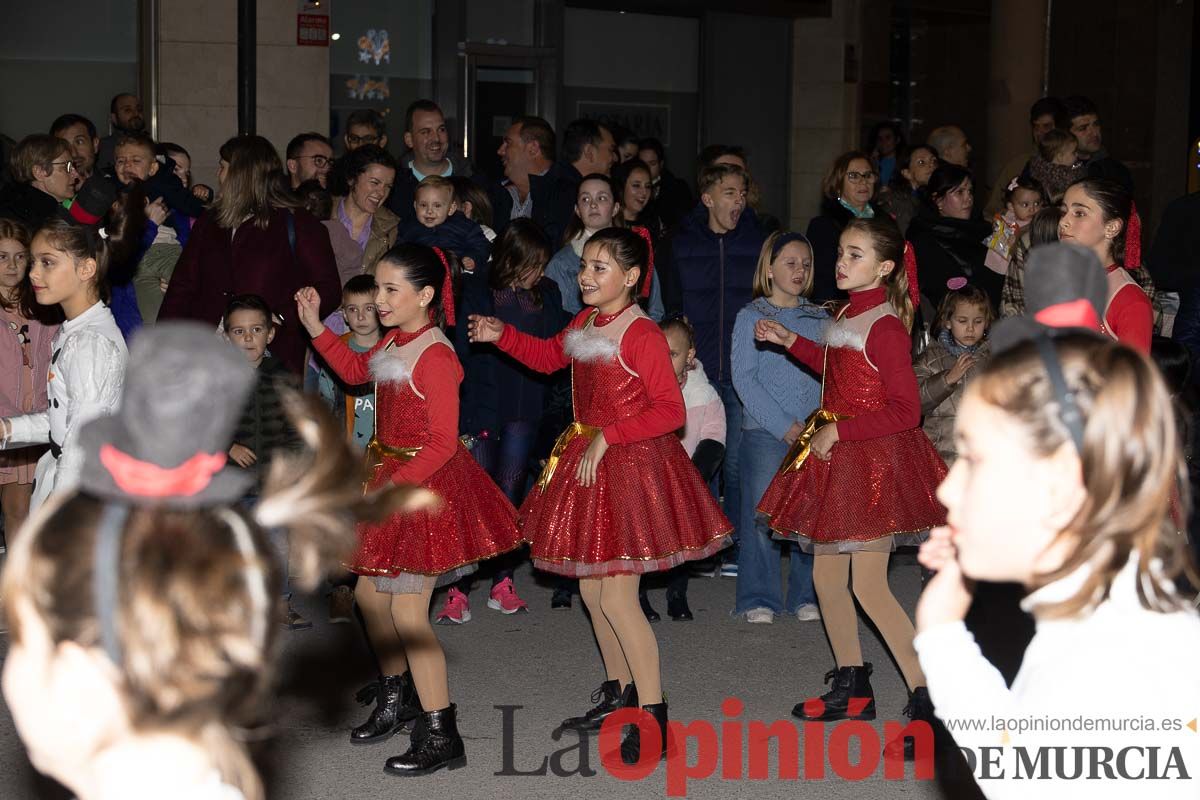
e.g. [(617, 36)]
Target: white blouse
[(1117, 687), (87, 371)]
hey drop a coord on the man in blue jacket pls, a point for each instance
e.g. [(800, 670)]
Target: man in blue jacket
[(708, 276)]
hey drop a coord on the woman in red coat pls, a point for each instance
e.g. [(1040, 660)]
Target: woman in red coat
[(254, 241)]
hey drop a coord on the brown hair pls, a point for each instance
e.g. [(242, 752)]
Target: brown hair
[(1054, 142), (626, 248), (575, 225), (435, 182), (831, 185), (254, 186), (35, 150), (82, 242), (1131, 463), (762, 273), (968, 294), (889, 245), (682, 325), (468, 191), (520, 249), (25, 303), (196, 615), (712, 175)]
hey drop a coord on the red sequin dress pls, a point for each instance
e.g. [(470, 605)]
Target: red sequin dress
[(649, 509), (874, 492), (417, 377)]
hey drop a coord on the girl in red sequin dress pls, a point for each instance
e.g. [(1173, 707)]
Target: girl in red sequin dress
[(870, 478), (619, 496), (403, 559)]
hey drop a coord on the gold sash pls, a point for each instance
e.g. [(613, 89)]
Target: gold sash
[(798, 453), (377, 451), (560, 445)]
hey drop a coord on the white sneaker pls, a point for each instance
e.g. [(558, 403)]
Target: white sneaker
[(760, 616), (808, 613)]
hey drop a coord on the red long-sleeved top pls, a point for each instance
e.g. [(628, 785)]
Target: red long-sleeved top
[(888, 347), (643, 348), (437, 374), (1130, 316)]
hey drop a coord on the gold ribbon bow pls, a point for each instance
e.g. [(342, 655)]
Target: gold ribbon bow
[(377, 451), (560, 445), (798, 453)]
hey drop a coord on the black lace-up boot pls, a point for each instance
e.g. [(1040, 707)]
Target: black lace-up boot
[(851, 685), (435, 744), (608, 699), (396, 705)]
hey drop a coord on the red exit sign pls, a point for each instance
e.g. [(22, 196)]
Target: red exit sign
[(312, 30)]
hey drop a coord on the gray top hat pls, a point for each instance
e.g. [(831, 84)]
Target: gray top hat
[(1057, 276), (182, 399)]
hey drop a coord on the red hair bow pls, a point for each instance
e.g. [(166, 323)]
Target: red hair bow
[(644, 232), (447, 289), (910, 269)]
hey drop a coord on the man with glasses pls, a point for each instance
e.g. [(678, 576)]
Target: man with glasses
[(80, 135), (44, 178), (309, 157), (365, 126)]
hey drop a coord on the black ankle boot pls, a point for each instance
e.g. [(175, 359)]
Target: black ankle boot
[(677, 607), (608, 699), (631, 745), (919, 708), (396, 705), (848, 683), (435, 744), (648, 609)]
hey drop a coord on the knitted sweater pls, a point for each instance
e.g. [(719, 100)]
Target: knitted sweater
[(773, 392), (264, 428)]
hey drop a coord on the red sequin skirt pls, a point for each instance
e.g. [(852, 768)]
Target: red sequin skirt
[(867, 491), (473, 522), (649, 510)]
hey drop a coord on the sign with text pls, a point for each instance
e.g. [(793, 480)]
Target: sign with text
[(644, 119), (312, 30)]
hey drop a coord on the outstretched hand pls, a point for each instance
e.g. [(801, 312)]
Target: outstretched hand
[(484, 329), (308, 308), (768, 330)]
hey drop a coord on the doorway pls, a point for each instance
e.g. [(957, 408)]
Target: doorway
[(499, 95)]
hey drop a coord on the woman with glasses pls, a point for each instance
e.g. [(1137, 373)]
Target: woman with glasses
[(900, 196), (949, 238), (848, 193), (45, 178)]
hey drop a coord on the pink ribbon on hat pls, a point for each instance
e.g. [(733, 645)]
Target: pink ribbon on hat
[(143, 479)]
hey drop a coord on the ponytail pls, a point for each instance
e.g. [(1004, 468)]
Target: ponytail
[(430, 267), (901, 283)]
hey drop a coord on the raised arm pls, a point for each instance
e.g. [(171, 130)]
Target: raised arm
[(542, 355), (353, 368)]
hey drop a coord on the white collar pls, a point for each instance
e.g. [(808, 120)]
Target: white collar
[(1122, 592), (92, 314)]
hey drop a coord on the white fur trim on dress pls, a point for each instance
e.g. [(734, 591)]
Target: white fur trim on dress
[(839, 334), (387, 366), (588, 344)]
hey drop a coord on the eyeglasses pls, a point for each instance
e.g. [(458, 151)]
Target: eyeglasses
[(356, 141), (320, 161), (861, 177), (69, 166)]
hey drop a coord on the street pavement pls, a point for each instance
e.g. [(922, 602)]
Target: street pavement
[(515, 677)]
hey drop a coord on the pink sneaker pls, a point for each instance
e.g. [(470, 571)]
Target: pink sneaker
[(456, 609), (504, 598)]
